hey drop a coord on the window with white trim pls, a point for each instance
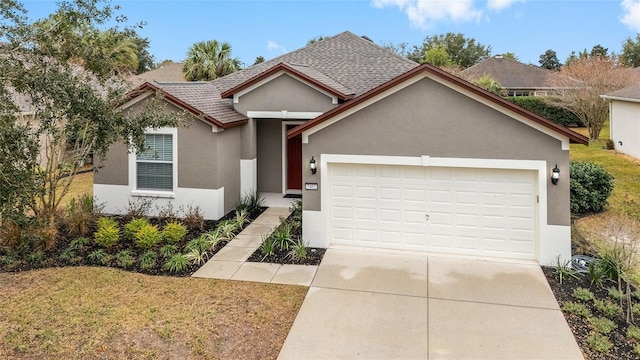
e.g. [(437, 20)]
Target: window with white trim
[(154, 166)]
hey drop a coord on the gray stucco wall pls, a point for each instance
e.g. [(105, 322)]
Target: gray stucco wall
[(269, 147), (198, 156), (284, 93), (229, 152), (114, 169), (430, 119)]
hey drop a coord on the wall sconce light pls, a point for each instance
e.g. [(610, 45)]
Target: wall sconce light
[(312, 165), (620, 142), (555, 175)]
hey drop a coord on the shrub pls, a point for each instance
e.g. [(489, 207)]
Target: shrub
[(599, 343), (35, 257), (298, 251), (602, 325), (148, 236), (67, 255), (166, 214), (173, 232), (213, 238), (177, 263), (197, 256), (81, 215), (137, 208), (242, 217), (97, 256), (595, 272), (10, 234), (538, 106), (633, 332), (108, 232), (252, 202), (227, 229), (192, 218), (282, 236), (147, 260), (615, 294), (168, 251), (583, 294), (200, 244), (575, 308), (608, 308), (124, 259), (590, 185), (635, 309), (133, 226), (268, 247), (564, 271)]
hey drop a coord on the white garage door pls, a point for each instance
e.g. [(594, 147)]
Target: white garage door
[(485, 212)]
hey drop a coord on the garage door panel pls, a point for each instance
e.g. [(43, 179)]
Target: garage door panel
[(468, 211)]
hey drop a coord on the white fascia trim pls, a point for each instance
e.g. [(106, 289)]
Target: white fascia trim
[(313, 130), (284, 114), (248, 176), (133, 168), (236, 96), (540, 166), (543, 129), (284, 152), (136, 99), (619, 98)]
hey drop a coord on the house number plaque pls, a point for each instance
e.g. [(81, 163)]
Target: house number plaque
[(311, 186)]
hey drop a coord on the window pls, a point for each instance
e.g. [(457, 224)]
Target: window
[(155, 164)]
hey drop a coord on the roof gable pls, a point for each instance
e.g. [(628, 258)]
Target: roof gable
[(511, 74), (444, 77), (630, 93)]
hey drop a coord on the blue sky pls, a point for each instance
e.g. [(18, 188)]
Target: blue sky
[(270, 28)]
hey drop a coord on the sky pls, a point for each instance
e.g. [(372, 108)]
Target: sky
[(270, 28)]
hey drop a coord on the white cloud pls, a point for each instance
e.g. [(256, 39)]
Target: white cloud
[(424, 13), (631, 16), (272, 45)]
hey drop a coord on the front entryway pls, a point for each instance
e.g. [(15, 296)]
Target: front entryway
[(294, 161)]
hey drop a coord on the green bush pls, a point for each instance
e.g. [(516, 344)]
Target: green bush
[(583, 294), (590, 185), (602, 325), (148, 236), (108, 232), (633, 332), (608, 308), (538, 106), (173, 232), (571, 307), (177, 263), (147, 260), (599, 343), (133, 226), (125, 259), (168, 251), (80, 215)]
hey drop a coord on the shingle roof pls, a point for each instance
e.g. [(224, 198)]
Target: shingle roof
[(169, 72), (350, 60), (631, 93), (512, 74)]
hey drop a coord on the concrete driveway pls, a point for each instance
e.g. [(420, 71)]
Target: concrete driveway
[(380, 305)]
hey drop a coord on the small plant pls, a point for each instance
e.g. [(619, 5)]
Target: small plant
[(571, 307), (564, 270), (282, 236), (108, 232), (166, 214), (10, 234), (608, 308), (168, 251), (197, 256), (133, 226), (138, 208), (298, 251), (200, 244), (252, 202), (192, 218), (124, 259), (636, 349), (595, 273), (36, 257), (615, 294), (633, 332), (635, 309), (583, 294), (599, 343), (67, 255), (242, 217), (268, 247), (177, 263), (148, 236), (79, 243), (147, 260), (213, 238), (97, 256), (80, 215), (174, 232), (227, 229), (602, 325)]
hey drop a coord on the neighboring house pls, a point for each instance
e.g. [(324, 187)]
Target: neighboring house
[(624, 117), (516, 78), (167, 72), (408, 156)]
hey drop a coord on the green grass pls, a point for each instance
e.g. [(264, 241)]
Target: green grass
[(625, 198)]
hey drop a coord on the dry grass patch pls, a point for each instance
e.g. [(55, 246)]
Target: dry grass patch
[(82, 184), (106, 313)]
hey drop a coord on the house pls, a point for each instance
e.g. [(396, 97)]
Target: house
[(624, 117), (516, 78), (169, 71), (405, 156)]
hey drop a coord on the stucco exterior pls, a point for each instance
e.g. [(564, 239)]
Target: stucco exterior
[(430, 119), (625, 126)]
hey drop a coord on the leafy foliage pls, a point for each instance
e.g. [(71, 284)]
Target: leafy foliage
[(177, 263), (602, 325), (599, 343), (174, 232), (608, 308), (463, 52), (125, 259), (557, 114), (630, 55), (583, 294), (490, 84), (133, 226), (549, 60), (148, 260), (590, 186), (148, 236), (80, 215), (571, 307), (209, 60), (108, 232)]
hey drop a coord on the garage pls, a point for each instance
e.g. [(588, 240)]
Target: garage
[(475, 211)]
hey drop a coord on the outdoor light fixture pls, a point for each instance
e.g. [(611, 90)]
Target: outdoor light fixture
[(555, 175), (312, 165)]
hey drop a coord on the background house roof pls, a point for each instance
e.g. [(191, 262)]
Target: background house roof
[(168, 72), (631, 93), (511, 74)]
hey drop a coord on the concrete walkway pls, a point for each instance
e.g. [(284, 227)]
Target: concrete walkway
[(230, 263), (374, 305)]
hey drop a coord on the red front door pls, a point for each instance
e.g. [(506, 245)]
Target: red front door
[(294, 162)]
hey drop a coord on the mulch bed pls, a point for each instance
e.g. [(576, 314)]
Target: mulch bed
[(314, 256), (622, 347)]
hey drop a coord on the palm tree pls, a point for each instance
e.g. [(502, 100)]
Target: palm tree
[(209, 60), (490, 84)]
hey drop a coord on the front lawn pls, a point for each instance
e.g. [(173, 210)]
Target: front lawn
[(89, 312)]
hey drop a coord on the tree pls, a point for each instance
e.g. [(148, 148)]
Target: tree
[(597, 75), (490, 84), (259, 60), (51, 66), (437, 56), (463, 52), (631, 52), (510, 55), (598, 50), (549, 60), (401, 48), (315, 39), (209, 60)]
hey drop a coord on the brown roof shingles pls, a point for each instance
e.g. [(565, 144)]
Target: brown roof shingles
[(511, 74), (631, 92)]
